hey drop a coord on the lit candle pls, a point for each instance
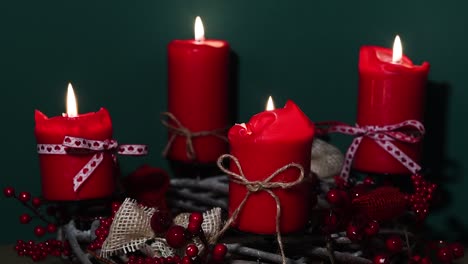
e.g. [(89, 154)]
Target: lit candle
[(391, 90), (198, 80), (270, 140), (59, 170)]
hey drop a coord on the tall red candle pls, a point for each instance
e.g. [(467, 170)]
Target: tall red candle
[(57, 171), (269, 141), (198, 80), (389, 93)]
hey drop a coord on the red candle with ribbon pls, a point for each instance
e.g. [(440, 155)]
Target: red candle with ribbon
[(198, 80), (269, 141), (391, 91), (58, 170)]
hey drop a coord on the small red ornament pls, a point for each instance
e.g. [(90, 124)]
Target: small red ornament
[(39, 231), (368, 181), (219, 252), (25, 218), (160, 221), (193, 228), (24, 196), (458, 250), (371, 228), (36, 202), (191, 250), (196, 218), (444, 255), (381, 259), (175, 236), (353, 232), (9, 192), (394, 244), (334, 197), (51, 228), (186, 260)]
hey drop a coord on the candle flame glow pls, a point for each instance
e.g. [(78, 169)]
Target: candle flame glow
[(199, 30), (397, 50), (72, 108), (270, 106)]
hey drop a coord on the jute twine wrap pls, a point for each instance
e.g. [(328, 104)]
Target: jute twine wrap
[(131, 230), (258, 186), (180, 130)]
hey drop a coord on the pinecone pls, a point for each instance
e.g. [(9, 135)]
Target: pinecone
[(381, 204)]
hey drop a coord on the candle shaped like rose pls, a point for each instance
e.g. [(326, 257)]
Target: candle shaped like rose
[(391, 91), (270, 140), (198, 80), (59, 168)]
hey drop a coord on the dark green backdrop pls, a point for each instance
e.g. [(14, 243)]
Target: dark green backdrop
[(114, 52)]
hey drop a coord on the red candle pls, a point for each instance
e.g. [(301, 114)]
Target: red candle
[(58, 170), (391, 90), (269, 141), (198, 80)]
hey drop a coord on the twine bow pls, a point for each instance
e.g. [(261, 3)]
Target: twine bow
[(179, 130), (75, 145), (257, 186), (382, 135)]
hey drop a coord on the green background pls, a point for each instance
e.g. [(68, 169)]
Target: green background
[(114, 52)]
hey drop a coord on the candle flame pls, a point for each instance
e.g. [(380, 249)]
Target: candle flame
[(72, 108), (270, 106), (199, 30), (397, 50)]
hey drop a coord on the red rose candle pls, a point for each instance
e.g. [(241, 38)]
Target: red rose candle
[(269, 141), (58, 170), (391, 90), (198, 80)]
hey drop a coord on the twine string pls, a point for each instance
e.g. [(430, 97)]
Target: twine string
[(180, 130), (258, 186)]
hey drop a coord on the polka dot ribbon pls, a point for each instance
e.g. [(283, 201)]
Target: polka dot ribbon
[(74, 145), (382, 135)]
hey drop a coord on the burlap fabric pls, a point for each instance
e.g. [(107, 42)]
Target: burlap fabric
[(131, 231)]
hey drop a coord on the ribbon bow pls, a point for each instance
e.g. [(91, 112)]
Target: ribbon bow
[(382, 135), (75, 145), (180, 130), (257, 186)]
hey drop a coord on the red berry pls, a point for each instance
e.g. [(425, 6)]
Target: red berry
[(219, 252), (36, 202), (334, 197), (381, 259), (425, 260), (457, 250), (353, 232), (25, 218), (9, 192), (51, 228), (24, 196), (196, 218), (444, 255), (368, 181), (186, 260), (39, 231), (191, 250), (160, 221), (358, 191), (394, 244), (330, 222), (175, 236), (372, 228), (193, 228)]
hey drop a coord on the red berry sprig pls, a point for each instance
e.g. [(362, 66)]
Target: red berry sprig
[(40, 251), (419, 201)]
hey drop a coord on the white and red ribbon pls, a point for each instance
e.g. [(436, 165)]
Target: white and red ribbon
[(382, 135), (75, 145)]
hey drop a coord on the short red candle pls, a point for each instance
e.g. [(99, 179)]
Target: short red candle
[(198, 80), (269, 141), (389, 93), (57, 171)]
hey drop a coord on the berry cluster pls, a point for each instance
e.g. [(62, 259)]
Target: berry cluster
[(419, 201), (103, 230), (39, 251)]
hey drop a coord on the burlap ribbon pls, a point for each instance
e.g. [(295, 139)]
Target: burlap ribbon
[(75, 145), (258, 186), (382, 135), (131, 230), (180, 130)]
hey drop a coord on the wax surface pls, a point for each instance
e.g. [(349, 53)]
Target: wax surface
[(270, 140), (57, 171), (198, 81), (389, 93)]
